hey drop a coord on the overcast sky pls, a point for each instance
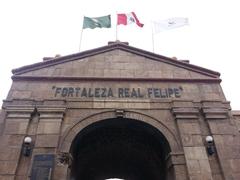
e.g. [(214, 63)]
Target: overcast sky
[(33, 29)]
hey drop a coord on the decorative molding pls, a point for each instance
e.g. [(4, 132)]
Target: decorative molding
[(51, 109), (120, 113), (215, 113), (64, 158), (19, 112), (135, 79), (27, 109), (185, 112), (51, 112)]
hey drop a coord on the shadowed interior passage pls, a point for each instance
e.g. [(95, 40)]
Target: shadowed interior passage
[(119, 148)]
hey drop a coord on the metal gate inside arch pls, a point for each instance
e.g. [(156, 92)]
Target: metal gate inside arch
[(119, 148)]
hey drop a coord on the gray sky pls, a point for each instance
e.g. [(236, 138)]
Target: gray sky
[(33, 29)]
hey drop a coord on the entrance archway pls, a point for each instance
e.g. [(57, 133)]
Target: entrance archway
[(119, 148)]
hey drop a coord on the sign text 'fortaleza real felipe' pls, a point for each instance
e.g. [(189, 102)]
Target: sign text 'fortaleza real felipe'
[(122, 92)]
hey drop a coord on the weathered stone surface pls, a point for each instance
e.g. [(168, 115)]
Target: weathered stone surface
[(7, 177), (190, 127), (1, 116), (9, 154), (40, 107), (132, 64), (176, 159), (195, 153), (21, 177), (192, 140), (11, 140), (22, 94), (49, 127), (47, 141), (217, 177), (180, 172), (60, 173), (236, 117), (8, 167), (16, 127)]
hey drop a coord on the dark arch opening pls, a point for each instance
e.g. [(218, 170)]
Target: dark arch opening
[(119, 148)]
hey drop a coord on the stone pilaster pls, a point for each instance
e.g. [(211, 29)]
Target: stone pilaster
[(176, 165), (49, 126), (226, 137), (48, 133), (186, 116), (16, 121), (63, 162)]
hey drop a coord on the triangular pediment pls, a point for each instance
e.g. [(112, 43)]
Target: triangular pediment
[(115, 61)]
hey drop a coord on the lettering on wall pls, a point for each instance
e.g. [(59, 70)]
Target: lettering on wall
[(103, 92)]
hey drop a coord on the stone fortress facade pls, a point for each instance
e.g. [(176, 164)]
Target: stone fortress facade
[(118, 112)]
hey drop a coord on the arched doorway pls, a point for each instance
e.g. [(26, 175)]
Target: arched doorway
[(119, 148)]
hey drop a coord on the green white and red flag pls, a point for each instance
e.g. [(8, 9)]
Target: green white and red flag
[(128, 18)]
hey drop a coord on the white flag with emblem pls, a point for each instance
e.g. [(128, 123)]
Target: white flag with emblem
[(167, 24)]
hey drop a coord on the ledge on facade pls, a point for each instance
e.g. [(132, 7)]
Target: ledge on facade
[(51, 58), (117, 42), (236, 114), (216, 104), (185, 112), (215, 113), (20, 108)]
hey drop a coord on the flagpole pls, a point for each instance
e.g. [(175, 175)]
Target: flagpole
[(116, 27), (80, 42), (116, 32), (152, 39)]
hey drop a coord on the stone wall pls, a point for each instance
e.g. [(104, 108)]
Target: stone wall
[(236, 117), (54, 124), (45, 103)]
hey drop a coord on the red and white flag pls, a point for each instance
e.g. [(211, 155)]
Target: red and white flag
[(127, 19)]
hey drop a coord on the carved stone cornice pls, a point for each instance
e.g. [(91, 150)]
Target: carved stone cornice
[(51, 112), (213, 113), (215, 110), (51, 109), (19, 111), (185, 112)]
